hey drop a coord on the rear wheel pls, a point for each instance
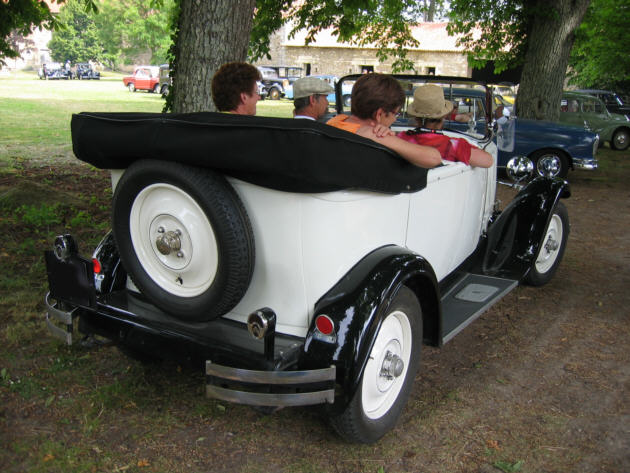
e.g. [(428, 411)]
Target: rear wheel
[(388, 375), (156, 89), (620, 139), (552, 248)]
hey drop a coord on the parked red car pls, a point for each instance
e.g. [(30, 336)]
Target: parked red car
[(144, 78)]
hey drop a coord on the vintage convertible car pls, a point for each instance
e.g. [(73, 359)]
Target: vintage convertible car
[(309, 268)]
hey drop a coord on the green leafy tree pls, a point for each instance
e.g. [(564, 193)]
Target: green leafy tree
[(600, 58), (130, 29), (77, 40), (535, 34)]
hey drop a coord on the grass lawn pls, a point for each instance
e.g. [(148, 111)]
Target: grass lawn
[(47, 106)]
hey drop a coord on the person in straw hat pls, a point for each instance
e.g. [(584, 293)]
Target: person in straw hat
[(310, 98), (375, 103), (430, 109)]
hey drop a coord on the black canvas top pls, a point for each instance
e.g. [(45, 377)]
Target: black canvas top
[(278, 153)]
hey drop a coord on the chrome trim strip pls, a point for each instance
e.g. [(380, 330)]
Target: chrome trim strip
[(271, 399), (271, 377)]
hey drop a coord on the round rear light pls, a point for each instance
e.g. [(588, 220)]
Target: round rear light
[(97, 266), (324, 324)]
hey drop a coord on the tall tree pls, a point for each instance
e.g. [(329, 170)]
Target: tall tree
[(208, 34), (600, 58), (78, 40), (132, 28), (537, 34)]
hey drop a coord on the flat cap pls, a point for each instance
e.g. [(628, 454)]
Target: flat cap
[(307, 86)]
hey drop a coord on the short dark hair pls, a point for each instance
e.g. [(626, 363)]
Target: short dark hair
[(374, 91), (301, 103), (232, 79)]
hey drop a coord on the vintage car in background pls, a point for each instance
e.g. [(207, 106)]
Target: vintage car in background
[(85, 71), (589, 111), (54, 71), (332, 81), (297, 278), (144, 78), (553, 148), (165, 79), (614, 103), (276, 79)]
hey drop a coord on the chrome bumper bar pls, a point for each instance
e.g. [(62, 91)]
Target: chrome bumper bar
[(270, 388), (588, 164), (54, 314)]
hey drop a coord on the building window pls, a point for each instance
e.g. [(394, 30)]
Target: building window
[(367, 69), (431, 71)]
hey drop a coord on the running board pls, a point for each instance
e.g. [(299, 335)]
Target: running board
[(470, 297)]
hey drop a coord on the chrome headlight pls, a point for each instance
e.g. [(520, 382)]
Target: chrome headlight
[(519, 168)]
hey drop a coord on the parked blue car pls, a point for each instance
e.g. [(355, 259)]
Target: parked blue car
[(552, 147)]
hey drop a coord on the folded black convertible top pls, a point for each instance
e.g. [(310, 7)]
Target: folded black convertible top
[(279, 153)]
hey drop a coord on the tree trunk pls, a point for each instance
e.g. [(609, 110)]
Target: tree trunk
[(211, 33), (547, 57)]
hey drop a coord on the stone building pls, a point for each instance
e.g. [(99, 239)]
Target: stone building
[(437, 53)]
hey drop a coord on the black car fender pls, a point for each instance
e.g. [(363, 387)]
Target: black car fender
[(514, 237), (357, 305)]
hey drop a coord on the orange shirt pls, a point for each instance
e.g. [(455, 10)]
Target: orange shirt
[(339, 121)]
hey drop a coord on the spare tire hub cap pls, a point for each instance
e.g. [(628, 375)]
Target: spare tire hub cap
[(167, 242)]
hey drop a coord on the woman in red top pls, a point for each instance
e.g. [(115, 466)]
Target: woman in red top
[(430, 109)]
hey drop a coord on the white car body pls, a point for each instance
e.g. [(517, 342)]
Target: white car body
[(305, 243)]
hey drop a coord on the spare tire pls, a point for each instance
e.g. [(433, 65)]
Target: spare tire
[(184, 237)]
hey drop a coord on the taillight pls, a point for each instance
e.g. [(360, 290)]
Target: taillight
[(324, 324), (97, 266)]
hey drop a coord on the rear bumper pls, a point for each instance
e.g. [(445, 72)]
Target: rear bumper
[(270, 388), (251, 377)]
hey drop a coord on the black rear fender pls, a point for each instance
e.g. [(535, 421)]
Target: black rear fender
[(357, 305)]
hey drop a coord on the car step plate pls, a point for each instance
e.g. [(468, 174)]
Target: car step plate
[(468, 299)]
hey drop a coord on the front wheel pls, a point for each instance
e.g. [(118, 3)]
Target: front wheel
[(620, 139), (552, 248), (131, 87), (274, 94), (388, 375), (551, 163)]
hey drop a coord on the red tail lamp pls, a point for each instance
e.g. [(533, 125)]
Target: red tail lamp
[(97, 265), (324, 324)]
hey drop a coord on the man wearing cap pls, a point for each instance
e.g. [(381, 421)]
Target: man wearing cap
[(430, 110), (310, 98)]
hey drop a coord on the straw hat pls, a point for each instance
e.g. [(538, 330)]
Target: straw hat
[(428, 102)]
